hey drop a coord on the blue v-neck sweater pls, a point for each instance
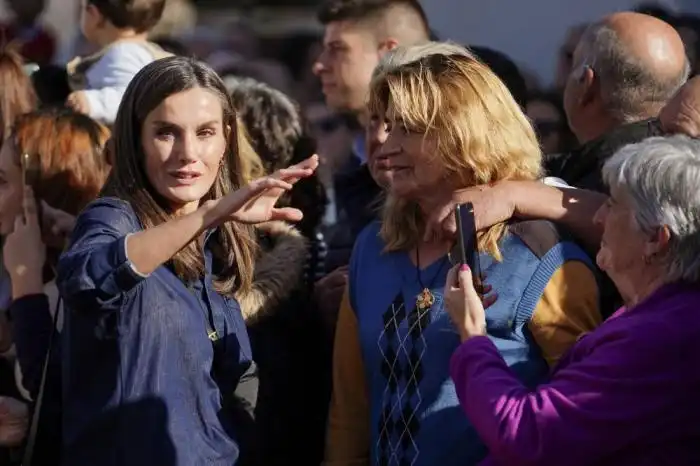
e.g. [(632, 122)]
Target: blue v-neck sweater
[(393, 400)]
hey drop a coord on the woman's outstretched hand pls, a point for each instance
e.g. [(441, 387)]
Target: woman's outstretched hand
[(255, 202), (463, 303)]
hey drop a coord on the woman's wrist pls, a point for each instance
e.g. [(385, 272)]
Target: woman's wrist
[(511, 193), (525, 199), (535, 200), (212, 213), (468, 332)]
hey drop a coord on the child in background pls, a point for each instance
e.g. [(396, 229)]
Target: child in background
[(119, 28), (35, 43)]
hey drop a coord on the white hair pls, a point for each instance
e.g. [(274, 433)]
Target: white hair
[(661, 177), (403, 55)]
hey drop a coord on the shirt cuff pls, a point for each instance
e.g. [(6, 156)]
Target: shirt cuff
[(128, 261), (125, 274), (556, 182)]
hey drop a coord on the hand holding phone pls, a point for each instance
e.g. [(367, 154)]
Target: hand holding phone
[(467, 243)]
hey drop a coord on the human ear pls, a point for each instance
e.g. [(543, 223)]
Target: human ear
[(658, 242), (588, 83), (387, 45)]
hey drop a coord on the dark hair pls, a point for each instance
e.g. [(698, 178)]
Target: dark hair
[(656, 10), (17, 95), (139, 15), (172, 45), (279, 135), (567, 140), (295, 50), (506, 69), (687, 21), (691, 22), (360, 10), (234, 247), (51, 85), (308, 195), (551, 97), (271, 119)]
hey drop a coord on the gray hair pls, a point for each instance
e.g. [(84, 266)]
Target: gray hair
[(408, 54), (661, 177), (630, 90)]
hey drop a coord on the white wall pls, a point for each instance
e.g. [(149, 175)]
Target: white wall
[(529, 31)]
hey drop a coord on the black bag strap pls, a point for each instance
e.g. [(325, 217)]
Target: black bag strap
[(36, 415)]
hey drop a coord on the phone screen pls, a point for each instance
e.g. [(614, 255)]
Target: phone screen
[(468, 247)]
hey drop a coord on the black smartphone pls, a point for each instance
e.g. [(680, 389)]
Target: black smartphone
[(467, 243)]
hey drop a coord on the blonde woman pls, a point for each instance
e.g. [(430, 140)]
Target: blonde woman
[(451, 123)]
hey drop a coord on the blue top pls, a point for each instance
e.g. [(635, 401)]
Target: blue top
[(142, 382), (415, 417), (359, 148)]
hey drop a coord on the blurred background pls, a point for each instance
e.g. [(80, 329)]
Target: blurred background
[(499, 24)]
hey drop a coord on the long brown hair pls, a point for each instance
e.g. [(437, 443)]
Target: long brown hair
[(17, 96), (234, 247)]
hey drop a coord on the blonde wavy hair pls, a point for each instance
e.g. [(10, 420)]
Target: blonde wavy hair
[(481, 133)]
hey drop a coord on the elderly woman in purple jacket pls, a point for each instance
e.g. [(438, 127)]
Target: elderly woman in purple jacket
[(627, 393)]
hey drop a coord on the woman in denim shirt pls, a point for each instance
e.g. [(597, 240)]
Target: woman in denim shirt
[(155, 347)]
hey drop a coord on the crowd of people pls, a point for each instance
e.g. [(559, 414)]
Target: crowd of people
[(230, 261)]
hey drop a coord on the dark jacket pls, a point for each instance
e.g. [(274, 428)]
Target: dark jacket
[(143, 383), (582, 167), (290, 352), (32, 322), (358, 200)]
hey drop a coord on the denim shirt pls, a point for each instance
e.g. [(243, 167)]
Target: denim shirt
[(142, 382)]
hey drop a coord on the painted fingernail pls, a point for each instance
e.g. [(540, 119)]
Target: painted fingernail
[(464, 268)]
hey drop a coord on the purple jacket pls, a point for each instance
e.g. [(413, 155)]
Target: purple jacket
[(627, 394)]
